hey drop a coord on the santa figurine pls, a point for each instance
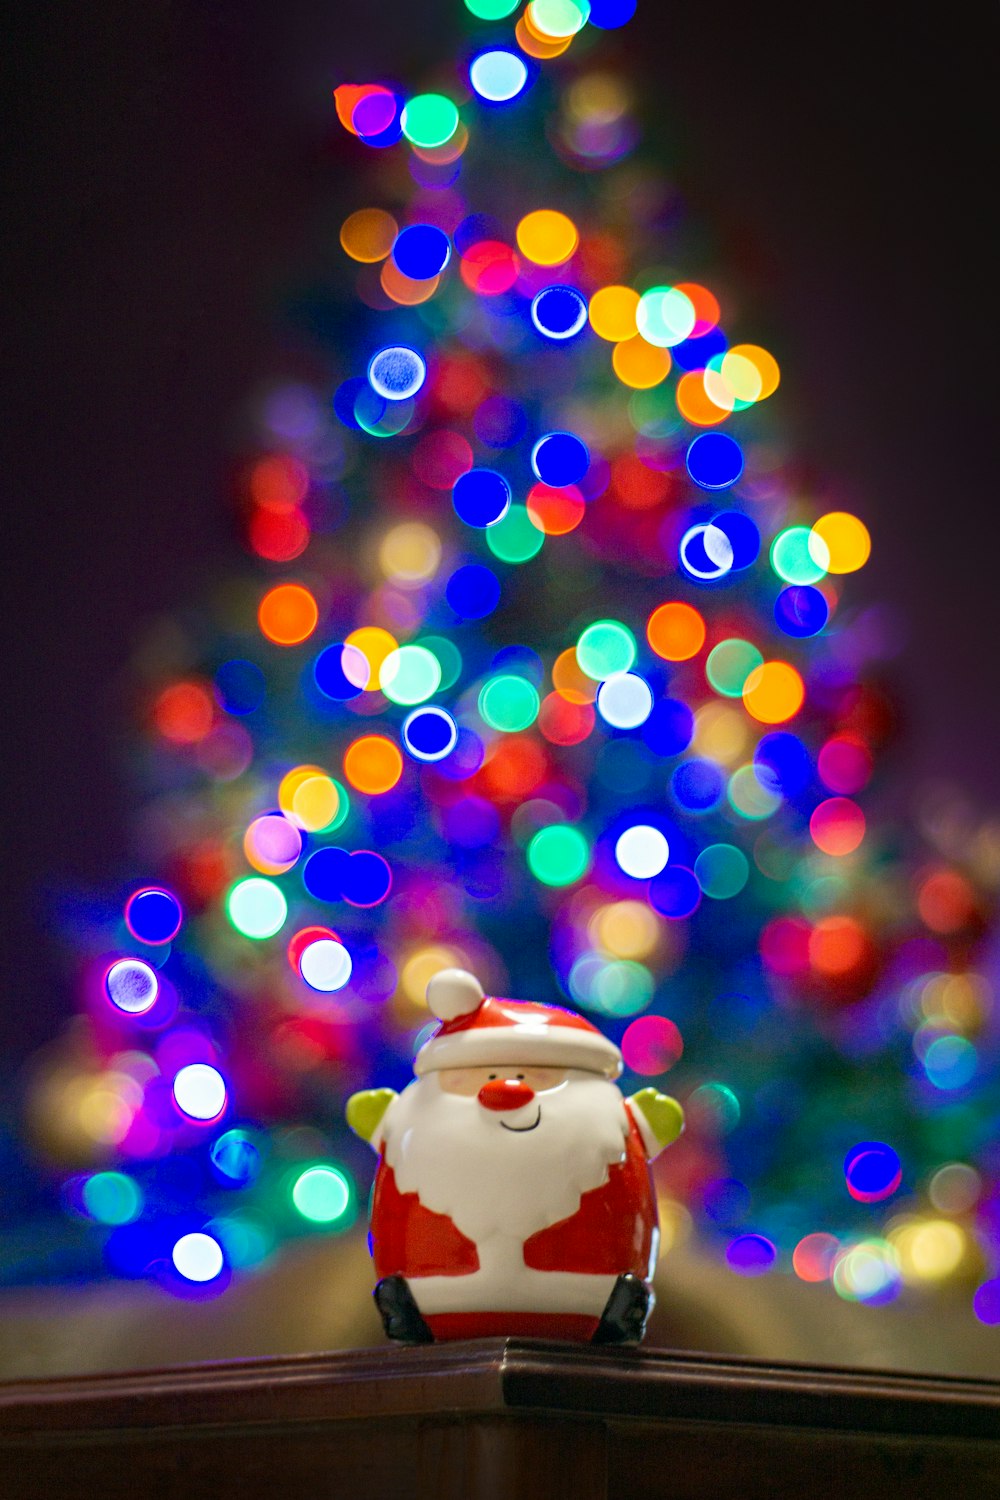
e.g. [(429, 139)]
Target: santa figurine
[(513, 1193)]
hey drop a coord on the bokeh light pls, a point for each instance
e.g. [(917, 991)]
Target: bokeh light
[(198, 1257), (642, 851), (838, 947), (560, 458), (558, 18), (236, 1157), (651, 1045), (515, 538), (706, 552), (288, 614), (986, 1302), (722, 871), (322, 1194), (846, 540), (272, 844), (257, 908), (559, 312), (751, 1254), (397, 372), (555, 511), (373, 764), (872, 1171), (481, 497), (800, 556), (430, 734), (837, 826), (183, 712), (112, 1198), (665, 316), (639, 364), (801, 611), (410, 553), (773, 693), (508, 703), (676, 631), (325, 965), (624, 700), (714, 461), (844, 764), (473, 591), (928, 1250), (132, 986), (199, 1091), (153, 915), (547, 237), (498, 75), (750, 372), (558, 855), (429, 120), (368, 235), (410, 674), (491, 10), (955, 1188), (604, 648), (814, 1255), (867, 1271), (729, 664), (421, 251)]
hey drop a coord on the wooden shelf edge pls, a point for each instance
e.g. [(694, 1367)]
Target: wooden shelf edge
[(517, 1376)]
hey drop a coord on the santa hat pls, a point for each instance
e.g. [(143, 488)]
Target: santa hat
[(478, 1032)]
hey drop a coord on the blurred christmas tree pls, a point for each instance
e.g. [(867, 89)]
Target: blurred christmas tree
[(544, 667)]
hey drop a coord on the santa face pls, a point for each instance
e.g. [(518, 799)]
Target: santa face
[(505, 1151), (504, 1090)]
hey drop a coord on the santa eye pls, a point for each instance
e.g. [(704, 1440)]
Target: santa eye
[(492, 1076), (520, 1075)]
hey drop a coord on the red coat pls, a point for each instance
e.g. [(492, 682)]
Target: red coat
[(613, 1230)]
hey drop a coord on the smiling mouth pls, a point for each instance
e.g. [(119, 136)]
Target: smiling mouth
[(522, 1129)]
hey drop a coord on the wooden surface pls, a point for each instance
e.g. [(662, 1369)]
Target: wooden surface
[(499, 1418)]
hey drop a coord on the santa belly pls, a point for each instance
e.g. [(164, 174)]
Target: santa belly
[(555, 1282)]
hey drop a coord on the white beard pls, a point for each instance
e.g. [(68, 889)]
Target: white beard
[(455, 1155)]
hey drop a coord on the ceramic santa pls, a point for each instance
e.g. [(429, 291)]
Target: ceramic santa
[(513, 1193)]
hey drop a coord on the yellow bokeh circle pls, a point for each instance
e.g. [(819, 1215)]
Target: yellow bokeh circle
[(410, 554), (569, 679), (612, 313), (737, 364), (368, 235), (290, 784), (374, 643), (421, 966), (403, 289), (315, 803), (640, 365), (741, 376), (773, 693), (626, 929), (547, 237), (847, 539)]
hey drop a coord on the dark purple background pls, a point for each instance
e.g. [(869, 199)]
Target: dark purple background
[(166, 172)]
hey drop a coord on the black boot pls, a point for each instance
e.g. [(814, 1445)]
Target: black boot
[(400, 1315), (623, 1320)]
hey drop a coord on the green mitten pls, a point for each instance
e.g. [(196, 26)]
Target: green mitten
[(663, 1114), (365, 1110)]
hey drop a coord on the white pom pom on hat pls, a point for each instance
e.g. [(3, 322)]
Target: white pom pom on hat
[(452, 993)]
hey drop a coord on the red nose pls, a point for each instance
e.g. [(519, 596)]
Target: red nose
[(505, 1093)]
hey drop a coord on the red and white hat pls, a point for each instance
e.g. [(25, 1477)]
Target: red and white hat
[(477, 1032)]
